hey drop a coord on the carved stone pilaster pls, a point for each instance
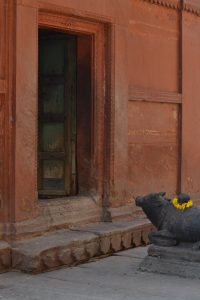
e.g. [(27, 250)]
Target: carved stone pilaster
[(7, 63)]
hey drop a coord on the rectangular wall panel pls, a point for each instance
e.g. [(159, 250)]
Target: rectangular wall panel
[(153, 147), (2, 99), (191, 105), (153, 47)]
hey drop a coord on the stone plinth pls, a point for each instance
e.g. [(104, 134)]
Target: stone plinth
[(68, 247), (179, 260)]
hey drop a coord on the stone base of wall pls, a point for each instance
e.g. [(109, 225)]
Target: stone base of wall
[(5, 257)]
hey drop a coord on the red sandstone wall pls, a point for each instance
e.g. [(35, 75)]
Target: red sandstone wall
[(146, 89)]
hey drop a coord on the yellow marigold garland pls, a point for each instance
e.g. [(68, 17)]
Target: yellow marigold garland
[(183, 205)]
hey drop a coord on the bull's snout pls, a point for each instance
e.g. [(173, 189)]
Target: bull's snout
[(139, 201)]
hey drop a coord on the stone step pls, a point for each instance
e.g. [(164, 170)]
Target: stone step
[(77, 245)]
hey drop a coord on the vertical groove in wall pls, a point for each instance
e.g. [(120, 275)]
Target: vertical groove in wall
[(2, 95), (108, 119), (9, 140), (180, 52), (2, 99)]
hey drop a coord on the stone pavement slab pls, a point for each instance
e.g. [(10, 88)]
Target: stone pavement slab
[(112, 278), (139, 252)]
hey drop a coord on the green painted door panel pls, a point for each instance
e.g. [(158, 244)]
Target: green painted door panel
[(53, 98), (53, 175), (52, 136), (57, 114), (52, 56)]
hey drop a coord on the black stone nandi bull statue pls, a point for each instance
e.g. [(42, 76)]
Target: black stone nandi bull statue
[(176, 220)]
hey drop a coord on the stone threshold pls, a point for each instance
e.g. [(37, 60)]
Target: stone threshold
[(69, 247)]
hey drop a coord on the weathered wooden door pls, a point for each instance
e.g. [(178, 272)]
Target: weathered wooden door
[(57, 114)]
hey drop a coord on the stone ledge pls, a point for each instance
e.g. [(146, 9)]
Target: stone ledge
[(80, 244)]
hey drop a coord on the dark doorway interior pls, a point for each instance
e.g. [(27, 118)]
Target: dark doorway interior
[(64, 114)]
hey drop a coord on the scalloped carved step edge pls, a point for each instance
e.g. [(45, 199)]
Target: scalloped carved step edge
[(81, 244)]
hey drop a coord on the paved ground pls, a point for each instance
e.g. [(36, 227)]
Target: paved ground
[(111, 278)]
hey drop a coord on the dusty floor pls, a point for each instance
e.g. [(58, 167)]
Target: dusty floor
[(114, 277)]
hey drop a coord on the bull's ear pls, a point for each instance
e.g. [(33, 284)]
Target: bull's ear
[(162, 194)]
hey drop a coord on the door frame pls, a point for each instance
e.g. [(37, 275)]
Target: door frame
[(102, 94)]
